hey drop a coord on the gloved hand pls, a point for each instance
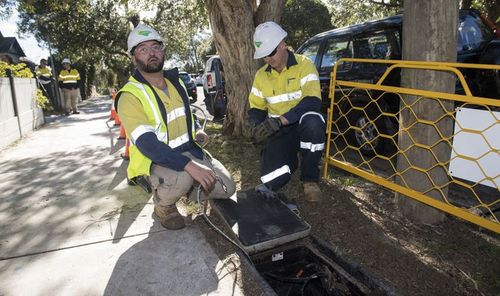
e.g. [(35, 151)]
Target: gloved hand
[(268, 127), (268, 193)]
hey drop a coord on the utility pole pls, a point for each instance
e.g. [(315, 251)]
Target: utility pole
[(54, 74)]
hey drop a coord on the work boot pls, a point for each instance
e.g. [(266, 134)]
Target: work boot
[(76, 112), (312, 191), (169, 217)]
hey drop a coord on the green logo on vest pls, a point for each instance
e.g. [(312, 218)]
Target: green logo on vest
[(144, 33), (257, 44)]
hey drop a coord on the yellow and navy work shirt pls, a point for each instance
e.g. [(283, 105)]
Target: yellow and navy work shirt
[(289, 93), (44, 74), (158, 123), (69, 79)]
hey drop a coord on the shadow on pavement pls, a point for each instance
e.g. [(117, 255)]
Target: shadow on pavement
[(166, 263)]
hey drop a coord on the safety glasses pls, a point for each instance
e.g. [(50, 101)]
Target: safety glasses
[(144, 49)]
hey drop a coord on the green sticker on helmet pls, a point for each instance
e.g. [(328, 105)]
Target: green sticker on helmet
[(144, 33), (257, 44)]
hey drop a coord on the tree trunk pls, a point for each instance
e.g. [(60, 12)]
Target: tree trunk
[(429, 34), (233, 25)]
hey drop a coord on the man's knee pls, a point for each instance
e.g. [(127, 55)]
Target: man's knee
[(312, 124), (168, 188)]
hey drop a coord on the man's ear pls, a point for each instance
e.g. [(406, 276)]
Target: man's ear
[(133, 61), (282, 44)]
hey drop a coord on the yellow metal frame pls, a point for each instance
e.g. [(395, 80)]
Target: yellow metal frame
[(467, 98)]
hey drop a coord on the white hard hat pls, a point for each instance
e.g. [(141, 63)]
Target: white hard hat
[(266, 38), (140, 34), (66, 61)]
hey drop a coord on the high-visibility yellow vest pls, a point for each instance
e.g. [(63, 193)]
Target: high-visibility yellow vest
[(71, 76), (277, 93), (45, 71), (139, 164)]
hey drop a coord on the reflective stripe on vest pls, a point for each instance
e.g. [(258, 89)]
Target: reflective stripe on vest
[(278, 92), (139, 164), (66, 76)]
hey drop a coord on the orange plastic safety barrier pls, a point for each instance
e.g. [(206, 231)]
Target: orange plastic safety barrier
[(122, 133), (113, 114), (126, 154)]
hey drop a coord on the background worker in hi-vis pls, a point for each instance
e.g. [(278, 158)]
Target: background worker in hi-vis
[(69, 79)]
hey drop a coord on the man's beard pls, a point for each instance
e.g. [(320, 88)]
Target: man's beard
[(150, 68)]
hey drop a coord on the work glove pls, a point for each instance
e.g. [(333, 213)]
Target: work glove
[(268, 127), (264, 190)]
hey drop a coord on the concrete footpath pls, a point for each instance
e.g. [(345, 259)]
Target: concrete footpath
[(70, 224)]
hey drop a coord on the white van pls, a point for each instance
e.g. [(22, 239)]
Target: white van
[(213, 88)]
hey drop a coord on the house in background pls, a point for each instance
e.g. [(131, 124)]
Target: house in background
[(10, 49)]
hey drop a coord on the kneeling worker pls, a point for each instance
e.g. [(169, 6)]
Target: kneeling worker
[(285, 104), (154, 109)]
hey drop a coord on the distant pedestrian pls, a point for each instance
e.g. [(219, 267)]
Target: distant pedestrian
[(165, 146), (69, 81)]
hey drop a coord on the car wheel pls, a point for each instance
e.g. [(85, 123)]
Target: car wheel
[(219, 106), (209, 103), (364, 130)]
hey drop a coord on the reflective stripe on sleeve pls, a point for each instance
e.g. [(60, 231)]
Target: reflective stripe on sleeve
[(139, 131), (284, 97), (69, 81), (307, 78), (257, 92), (311, 146), (275, 174)]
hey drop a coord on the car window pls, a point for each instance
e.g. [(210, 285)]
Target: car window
[(472, 33), (311, 51), (334, 50), (377, 46)]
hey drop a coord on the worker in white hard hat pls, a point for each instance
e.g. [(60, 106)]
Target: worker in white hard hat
[(165, 150), (285, 104), (69, 79)]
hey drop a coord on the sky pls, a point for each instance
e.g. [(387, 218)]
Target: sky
[(30, 46)]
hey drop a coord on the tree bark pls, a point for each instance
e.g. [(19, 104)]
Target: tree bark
[(233, 23), (429, 34)]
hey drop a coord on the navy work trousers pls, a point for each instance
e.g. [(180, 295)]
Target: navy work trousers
[(279, 158)]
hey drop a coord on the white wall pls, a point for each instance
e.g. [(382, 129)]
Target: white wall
[(30, 116)]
